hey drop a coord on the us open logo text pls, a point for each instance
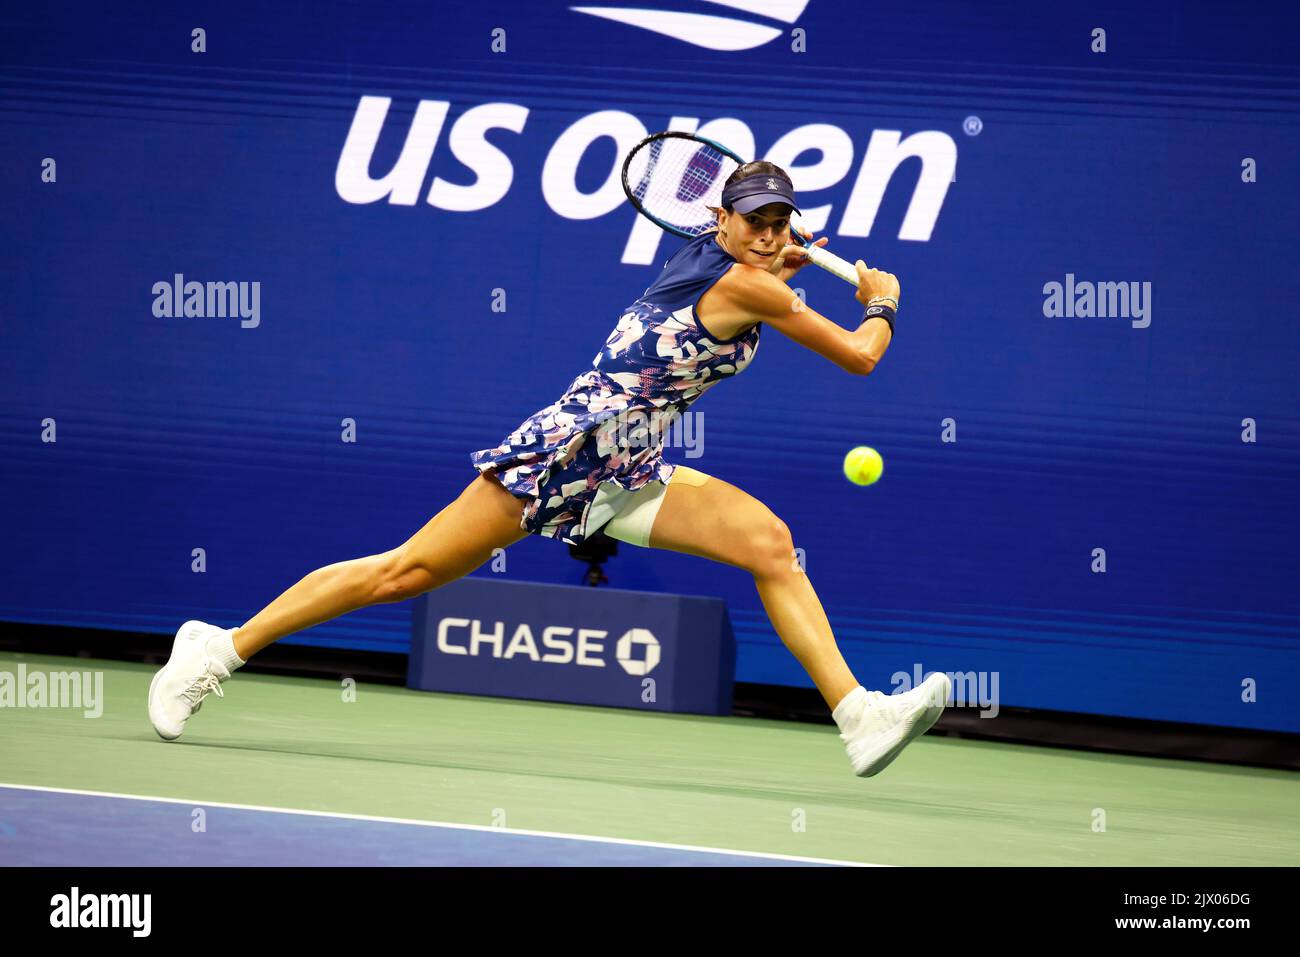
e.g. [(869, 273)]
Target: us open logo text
[(493, 170)]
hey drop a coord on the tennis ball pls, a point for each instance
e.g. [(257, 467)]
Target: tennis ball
[(863, 465)]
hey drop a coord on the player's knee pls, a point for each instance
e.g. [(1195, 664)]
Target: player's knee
[(771, 546), (398, 578)]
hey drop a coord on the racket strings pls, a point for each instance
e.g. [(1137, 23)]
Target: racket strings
[(676, 180)]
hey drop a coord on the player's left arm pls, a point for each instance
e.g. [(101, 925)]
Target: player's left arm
[(759, 294), (872, 337)]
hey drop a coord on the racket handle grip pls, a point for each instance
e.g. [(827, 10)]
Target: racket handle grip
[(832, 263)]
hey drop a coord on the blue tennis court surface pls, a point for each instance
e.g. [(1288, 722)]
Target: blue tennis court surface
[(56, 828)]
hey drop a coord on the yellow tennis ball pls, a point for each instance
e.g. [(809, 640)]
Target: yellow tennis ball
[(863, 465)]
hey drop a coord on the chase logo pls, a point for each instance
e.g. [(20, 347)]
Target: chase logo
[(707, 30), (638, 651)]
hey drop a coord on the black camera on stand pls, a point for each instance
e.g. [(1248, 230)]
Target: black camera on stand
[(595, 550)]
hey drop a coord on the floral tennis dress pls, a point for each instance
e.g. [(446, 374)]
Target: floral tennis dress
[(610, 423)]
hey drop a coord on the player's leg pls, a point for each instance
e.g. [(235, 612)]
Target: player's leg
[(704, 516), (707, 517), (453, 543)]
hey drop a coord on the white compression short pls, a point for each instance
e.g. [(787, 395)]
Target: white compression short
[(635, 512)]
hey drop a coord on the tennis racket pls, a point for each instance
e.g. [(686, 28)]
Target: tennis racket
[(673, 177)]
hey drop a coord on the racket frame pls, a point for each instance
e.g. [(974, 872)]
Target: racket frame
[(817, 255)]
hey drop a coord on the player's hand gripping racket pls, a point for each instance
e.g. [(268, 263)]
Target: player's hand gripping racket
[(673, 178)]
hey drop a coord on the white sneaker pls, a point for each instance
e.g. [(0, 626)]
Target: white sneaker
[(190, 675), (890, 722)]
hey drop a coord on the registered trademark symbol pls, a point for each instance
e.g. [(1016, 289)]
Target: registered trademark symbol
[(972, 125)]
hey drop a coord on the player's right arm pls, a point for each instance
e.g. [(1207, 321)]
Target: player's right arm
[(874, 335), (763, 297)]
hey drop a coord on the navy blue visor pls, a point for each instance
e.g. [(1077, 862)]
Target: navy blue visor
[(758, 190)]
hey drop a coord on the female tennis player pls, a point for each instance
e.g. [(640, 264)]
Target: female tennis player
[(571, 469)]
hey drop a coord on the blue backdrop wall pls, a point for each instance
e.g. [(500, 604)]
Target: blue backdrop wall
[(389, 173)]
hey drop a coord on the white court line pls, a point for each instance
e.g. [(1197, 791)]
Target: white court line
[(444, 824)]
